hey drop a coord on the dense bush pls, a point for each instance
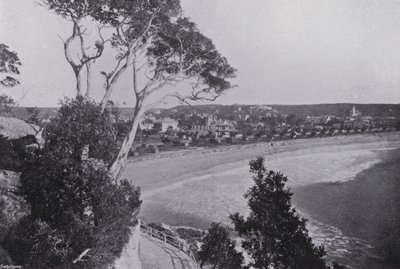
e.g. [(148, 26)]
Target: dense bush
[(75, 206), (12, 152), (218, 250), (12, 209), (81, 123), (7, 104), (34, 243), (274, 234), (9, 159)]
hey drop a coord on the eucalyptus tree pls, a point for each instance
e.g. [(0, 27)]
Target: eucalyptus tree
[(79, 51), (135, 24), (161, 48)]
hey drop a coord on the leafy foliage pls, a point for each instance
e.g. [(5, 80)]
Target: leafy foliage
[(274, 234), (75, 206), (218, 249), (34, 243), (9, 159), (6, 104), (14, 152), (33, 115), (73, 9), (175, 48), (160, 45), (81, 124), (138, 17), (9, 64), (180, 49)]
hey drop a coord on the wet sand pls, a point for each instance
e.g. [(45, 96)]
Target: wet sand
[(196, 187)]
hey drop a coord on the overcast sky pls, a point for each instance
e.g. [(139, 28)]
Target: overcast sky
[(286, 52)]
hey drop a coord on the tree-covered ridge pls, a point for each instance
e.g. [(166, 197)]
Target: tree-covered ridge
[(373, 110), (339, 109)]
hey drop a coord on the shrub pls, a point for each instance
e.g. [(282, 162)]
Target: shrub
[(274, 234), (79, 124), (76, 208), (218, 250), (12, 209), (9, 158), (34, 243)]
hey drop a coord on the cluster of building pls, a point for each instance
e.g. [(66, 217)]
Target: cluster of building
[(268, 126), (355, 121), (205, 126)]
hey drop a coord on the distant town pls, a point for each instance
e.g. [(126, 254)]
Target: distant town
[(212, 125)]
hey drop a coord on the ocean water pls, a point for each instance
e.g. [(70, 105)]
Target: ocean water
[(197, 200)]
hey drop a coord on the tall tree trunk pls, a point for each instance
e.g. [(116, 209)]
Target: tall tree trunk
[(106, 97), (111, 84), (88, 78), (79, 82), (75, 67), (120, 161), (110, 87)]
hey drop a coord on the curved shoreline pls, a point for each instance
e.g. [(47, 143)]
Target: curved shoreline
[(296, 143), (195, 187), (167, 168)]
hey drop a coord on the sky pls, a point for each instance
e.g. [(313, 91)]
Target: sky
[(286, 51)]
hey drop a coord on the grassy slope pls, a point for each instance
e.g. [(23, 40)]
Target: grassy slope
[(367, 207)]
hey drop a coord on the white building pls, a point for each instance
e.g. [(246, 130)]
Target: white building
[(163, 125)]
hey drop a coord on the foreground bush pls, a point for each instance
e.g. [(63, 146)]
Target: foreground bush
[(79, 217), (274, 234), (33, 242), (81, 125), (12, 153), (218, 250)]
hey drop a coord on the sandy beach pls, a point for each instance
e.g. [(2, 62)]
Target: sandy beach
[(198, 186), (153, 172)]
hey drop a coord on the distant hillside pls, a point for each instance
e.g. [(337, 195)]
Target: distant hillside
[(374, 110), (21, 112)]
